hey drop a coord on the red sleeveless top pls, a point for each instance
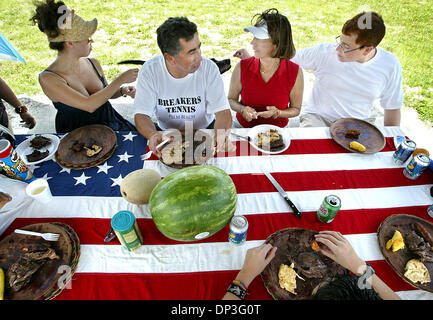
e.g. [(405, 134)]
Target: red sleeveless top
[(258, 94)]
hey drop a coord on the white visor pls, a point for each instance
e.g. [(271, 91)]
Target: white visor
[(260, 31)]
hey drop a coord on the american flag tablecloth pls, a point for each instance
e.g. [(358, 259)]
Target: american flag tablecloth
[(371, 188)]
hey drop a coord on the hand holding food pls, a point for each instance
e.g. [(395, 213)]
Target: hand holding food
[(340, 250), (248, 113), (28, 120), (272, 111)]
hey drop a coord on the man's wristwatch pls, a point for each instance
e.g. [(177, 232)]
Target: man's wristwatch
[(369, 272), (21, 109)]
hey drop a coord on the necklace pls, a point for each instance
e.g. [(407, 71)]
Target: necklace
[(274, 67)]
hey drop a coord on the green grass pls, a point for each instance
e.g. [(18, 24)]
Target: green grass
[(127, 31)]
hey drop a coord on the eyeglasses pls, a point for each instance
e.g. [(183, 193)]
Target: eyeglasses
[(337, 39)]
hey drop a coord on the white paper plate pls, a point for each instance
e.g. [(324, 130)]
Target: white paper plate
[(254, 132), (24, 148)]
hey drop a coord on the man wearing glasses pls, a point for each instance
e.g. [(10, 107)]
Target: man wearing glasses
[(351, 75)]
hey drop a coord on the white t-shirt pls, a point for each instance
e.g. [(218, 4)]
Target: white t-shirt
[(196, 97), (349, 89), (19, 203)]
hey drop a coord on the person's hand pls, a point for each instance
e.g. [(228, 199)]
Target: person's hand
[(28, 120), (221, 140), (128, 91), (153, 141), (339, 249), (272, 111), (128, 76), (4, 198), (256, 261), (248, 113), (241, 54)]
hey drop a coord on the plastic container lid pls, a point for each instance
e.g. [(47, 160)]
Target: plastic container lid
[(122, 221)]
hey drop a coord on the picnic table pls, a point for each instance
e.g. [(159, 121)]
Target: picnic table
[(371, 188)]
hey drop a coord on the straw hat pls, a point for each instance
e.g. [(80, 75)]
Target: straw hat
[(74, 28)]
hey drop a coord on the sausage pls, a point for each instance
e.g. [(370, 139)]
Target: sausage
[(424, 233)]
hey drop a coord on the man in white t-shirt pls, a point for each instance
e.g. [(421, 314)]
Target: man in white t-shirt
[(351, 75), (179, 86)]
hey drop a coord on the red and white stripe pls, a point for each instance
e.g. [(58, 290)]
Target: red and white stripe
[(371, 187)]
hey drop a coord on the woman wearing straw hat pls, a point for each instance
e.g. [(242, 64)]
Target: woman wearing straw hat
[(270, 86), (75, 83)]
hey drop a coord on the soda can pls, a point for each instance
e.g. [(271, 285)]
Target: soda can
[(430, 211), (12, 164), (398, 140), (416, 166), (404, 151), (238, 230), (126, 229), (329, 208)]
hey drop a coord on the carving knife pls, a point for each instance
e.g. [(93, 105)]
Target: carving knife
[(283, 194)]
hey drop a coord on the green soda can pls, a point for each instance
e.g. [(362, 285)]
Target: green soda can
[(329, 208), (126, 229)]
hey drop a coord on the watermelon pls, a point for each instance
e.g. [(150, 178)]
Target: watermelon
[(193, 203)]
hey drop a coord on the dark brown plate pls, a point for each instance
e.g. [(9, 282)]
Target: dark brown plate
[(370, 136), (397, 260), (75, 257), (47, 276), (93, 134), (86, 165), (201, 140), (291, 242)]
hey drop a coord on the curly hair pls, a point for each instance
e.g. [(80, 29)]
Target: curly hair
[(46, 17)]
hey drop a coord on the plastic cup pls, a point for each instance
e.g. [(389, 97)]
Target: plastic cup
[(39, 190)]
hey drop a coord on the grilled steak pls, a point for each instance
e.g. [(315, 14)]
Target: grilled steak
[(311, 265), (20, 273), (39, 142), (425, 255), (415, 242), (418, 245), (36, 155)]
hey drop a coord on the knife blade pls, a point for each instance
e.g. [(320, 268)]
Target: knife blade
[(283, 194), (242, 137)]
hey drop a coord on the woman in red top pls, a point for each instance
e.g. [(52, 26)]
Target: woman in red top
[(270, 86)]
